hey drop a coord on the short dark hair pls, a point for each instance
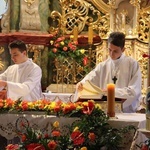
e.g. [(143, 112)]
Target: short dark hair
[(117, 39), (18, 44)]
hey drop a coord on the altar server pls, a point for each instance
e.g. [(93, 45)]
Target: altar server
[(23, 78), (122, 70)]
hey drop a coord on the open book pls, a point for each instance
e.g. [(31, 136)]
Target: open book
[(90, 91)]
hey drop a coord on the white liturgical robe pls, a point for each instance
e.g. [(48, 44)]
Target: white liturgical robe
[(23, 81), (128, 84)]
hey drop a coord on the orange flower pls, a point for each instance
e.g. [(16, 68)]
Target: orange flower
[(23, 137), (9, 102), (83, 148), (57, 108), (52, 145), (1, 105), (72, 106), (91, 136), (56, 133), (66, 109)]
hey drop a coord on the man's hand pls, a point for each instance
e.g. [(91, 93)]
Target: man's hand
[(79, 86)]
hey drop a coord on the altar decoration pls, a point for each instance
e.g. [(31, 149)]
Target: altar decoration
[(66, 46), (68, 58), (90, 130)]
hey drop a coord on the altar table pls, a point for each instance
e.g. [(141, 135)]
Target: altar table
[(10, 124)]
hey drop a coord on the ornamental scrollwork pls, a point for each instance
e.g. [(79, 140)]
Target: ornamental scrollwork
[(80, 13), (143, 31)]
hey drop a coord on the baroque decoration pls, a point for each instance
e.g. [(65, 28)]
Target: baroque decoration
[(89, 131)]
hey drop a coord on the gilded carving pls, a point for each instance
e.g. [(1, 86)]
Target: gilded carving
[(1, 63), (36, 49), (144, 25), (76, 12)]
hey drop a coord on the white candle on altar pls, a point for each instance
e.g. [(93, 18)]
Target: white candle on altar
[(111, 100)]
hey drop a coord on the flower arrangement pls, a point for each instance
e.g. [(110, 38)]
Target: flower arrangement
[(65, 46), (90, 132)]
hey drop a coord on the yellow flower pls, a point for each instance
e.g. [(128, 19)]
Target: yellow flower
[(76, 129), (56, 124), (83, 148), (52, 106), (51, 42), (82, 51), (71, 36), (30, 105), (62, 43), (98, 106)]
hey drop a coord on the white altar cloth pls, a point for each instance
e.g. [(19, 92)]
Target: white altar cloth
[(64, 97), (10, 124), (136, 119)]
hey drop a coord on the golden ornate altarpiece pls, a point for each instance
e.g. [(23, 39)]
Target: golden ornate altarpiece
[(129, 16)]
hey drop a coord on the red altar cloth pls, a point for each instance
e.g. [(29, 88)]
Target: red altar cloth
[(42, 39), (28, 38)]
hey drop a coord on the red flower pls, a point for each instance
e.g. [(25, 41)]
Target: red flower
[(12, 147), (77, 138), (46, 135), (52, 145), (57, 45), (54, 50), (23, 137), (144, 147), (56, 133), (85, 61), (60, 39), (24, 105), (146, 55), (91, 136), (87, 109), (65, 48), (36, 146)]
